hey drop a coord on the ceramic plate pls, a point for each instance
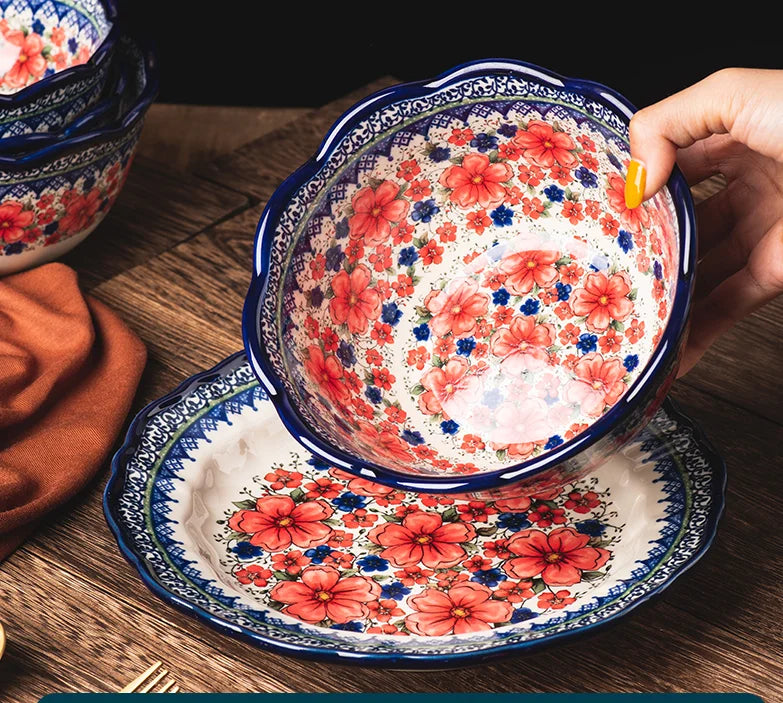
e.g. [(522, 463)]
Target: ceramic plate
[(226, 517)]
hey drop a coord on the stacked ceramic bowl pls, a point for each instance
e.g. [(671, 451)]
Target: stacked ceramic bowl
[(464, 332), (452, 295), (74, 90)]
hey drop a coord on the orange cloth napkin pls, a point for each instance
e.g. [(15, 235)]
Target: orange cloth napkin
[(69, 368)]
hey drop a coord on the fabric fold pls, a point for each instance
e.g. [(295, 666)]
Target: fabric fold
[(69, 369)]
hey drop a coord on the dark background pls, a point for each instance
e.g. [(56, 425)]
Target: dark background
[(249, 52)]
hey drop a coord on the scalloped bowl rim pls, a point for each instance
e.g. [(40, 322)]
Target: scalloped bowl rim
[(315, 653), (265, 232), (121, 125), (35, 141)]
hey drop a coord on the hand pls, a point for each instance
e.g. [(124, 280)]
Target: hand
[(730, 123)]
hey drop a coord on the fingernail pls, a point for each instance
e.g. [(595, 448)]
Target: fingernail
[(635, 182)]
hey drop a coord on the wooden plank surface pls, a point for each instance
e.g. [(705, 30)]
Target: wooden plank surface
[(78, 617), (743, 366)]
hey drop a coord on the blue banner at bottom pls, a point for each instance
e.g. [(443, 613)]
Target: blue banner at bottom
[(415, 698)]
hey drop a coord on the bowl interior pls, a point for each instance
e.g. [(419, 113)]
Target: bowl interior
[(39, 38), (234, 468), (466, 289)]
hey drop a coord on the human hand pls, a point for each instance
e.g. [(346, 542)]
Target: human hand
[(730, 123)]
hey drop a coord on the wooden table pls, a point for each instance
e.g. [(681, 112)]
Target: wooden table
[(173, 258)]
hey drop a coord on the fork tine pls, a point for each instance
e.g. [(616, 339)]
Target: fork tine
[(166, 686), (139, 680), (157, 678)]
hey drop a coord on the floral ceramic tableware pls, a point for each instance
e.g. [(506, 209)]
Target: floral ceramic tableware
[(451, 295), (118, 90), (52, 198), (227, 518), (58, 97)]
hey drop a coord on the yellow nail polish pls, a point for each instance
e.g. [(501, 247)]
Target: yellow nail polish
[(635, 182)]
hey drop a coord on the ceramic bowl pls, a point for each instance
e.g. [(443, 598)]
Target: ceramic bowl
[(73, 41), (451, 294), (119, 91), (52, 198)]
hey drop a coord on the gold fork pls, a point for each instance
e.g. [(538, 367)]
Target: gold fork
[(145, 682)]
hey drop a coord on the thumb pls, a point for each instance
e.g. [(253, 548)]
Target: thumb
[(658, 131)]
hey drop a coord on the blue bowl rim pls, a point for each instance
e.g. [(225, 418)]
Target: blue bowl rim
[(71, 74), (19, 145), (425, 662), (667, 348), (83, 141)]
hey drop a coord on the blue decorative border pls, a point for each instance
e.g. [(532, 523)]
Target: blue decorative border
[(213, 396), (368, 121)]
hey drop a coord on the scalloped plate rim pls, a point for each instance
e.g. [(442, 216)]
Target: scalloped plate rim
[(409, 661)]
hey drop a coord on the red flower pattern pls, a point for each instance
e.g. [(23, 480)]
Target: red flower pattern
[(254, 574), (477, 181), (447, 388), (456, 309), (603, 300), (327, 372), (464, 327), (633, 218), (466, 607), (544, 146), (527, 268), (277, 523), (323, 594), (13, 220), (375, 211), (423, 538), (598, 382), (30, 64), (523, 345), (555, 600), (80, 211), (558, 557)]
